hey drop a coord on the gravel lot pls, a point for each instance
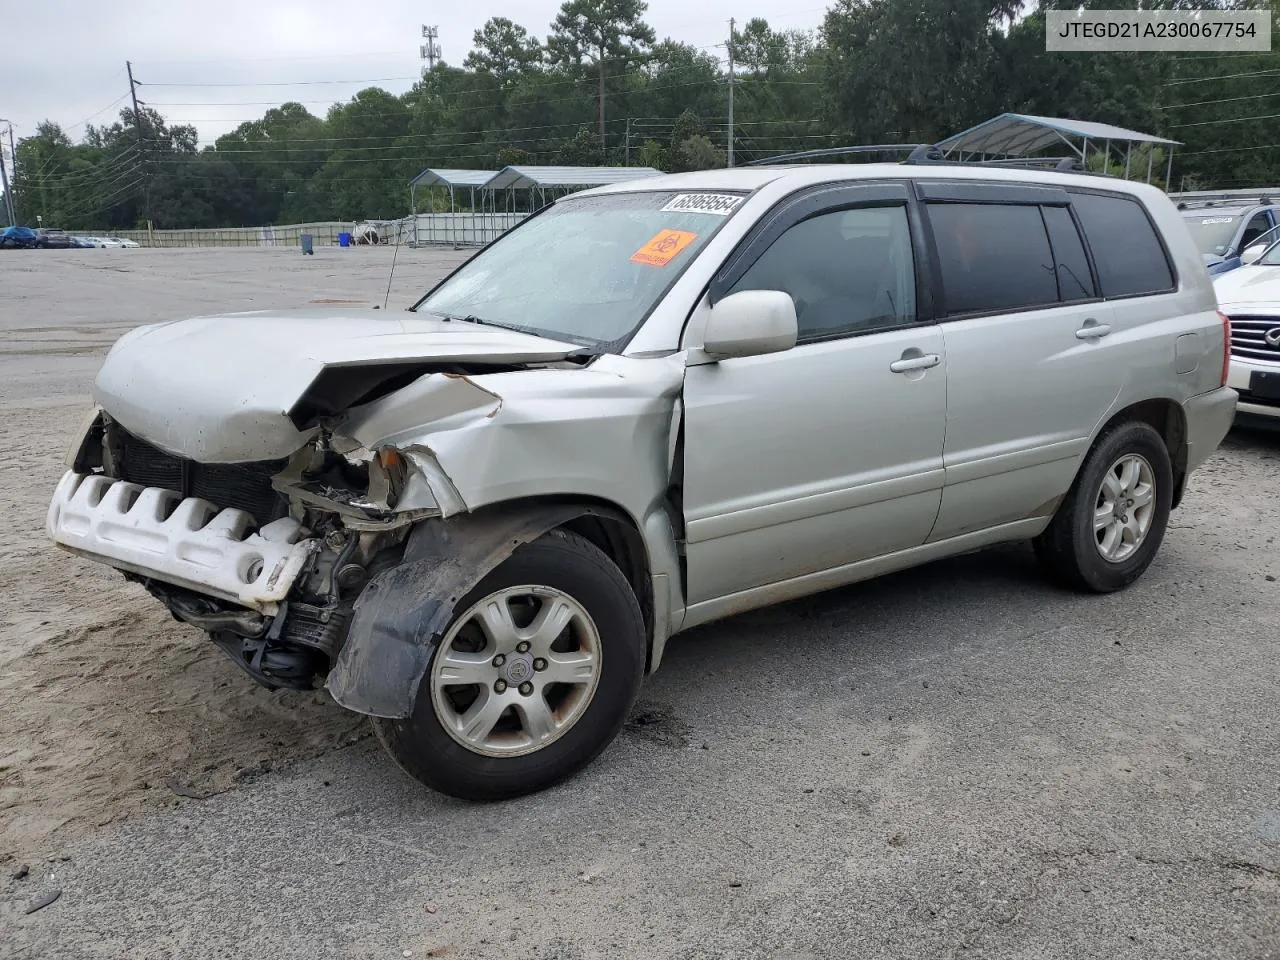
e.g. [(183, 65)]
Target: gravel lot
[(954, 761)]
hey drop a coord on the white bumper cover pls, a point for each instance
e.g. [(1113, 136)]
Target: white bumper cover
[(188, 542)]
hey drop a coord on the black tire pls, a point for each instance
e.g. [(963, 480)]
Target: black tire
[(574, 565), (1068, 549)]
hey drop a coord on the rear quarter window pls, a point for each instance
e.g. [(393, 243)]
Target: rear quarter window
[(1127, 252)]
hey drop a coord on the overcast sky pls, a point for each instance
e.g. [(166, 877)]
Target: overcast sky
[(64, 59)]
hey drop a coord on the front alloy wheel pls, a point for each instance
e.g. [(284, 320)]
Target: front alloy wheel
[(516, 671), (533, 677)]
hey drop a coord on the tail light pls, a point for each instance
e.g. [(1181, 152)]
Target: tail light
[(1226, 346)]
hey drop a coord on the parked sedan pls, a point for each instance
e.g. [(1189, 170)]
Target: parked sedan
[(53, 239), (18, 238)]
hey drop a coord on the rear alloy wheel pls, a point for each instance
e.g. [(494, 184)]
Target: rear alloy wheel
[(1112, 520), (534, 676)]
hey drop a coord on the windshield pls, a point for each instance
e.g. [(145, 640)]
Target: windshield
[(587, 270), (1213, 234)]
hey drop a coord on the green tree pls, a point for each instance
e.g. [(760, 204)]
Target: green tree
[(504, 49), (606, 33)]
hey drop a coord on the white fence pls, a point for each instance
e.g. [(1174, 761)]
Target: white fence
[(426, 229), (463, 229)]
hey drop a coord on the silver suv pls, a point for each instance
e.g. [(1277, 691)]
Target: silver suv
[(650, 406)]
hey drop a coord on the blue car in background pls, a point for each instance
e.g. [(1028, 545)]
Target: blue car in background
[(1223, 228), (18, 237)]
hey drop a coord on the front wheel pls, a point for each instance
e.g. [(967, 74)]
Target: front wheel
[(1112, 521), (534, 676)]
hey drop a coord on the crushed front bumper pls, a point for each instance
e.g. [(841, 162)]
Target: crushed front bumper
[(187, 542)]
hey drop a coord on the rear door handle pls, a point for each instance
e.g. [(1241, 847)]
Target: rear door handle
[(907, 364), (1093, 330)]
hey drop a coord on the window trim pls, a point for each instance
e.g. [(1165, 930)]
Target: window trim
[(1093, 268), (999, 192), (1164, 247), (818, 200)]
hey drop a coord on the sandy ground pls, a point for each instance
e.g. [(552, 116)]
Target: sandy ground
[(955, 761), (107, 705)]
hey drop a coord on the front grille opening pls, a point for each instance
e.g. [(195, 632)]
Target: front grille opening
[(244, 486), (1249, 338)]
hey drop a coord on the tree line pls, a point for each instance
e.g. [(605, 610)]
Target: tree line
[(601, 88)]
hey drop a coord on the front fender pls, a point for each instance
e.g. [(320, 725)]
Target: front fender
[(402, 613)]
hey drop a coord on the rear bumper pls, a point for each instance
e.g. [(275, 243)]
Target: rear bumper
[(186, 542), (1209, 417)]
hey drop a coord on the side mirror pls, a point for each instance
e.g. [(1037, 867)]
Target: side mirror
[(750, 323), (1253, 254)]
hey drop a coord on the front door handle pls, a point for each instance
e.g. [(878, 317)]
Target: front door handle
[(1093, 330), (907, 364)]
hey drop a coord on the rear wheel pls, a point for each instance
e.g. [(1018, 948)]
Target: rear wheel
[(1112, 521), (534, 676)]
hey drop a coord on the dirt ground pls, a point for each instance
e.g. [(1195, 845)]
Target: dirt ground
[(108, 706)]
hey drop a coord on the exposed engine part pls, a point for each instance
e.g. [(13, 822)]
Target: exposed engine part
[(322, 628), (274, 664), (206, 613)]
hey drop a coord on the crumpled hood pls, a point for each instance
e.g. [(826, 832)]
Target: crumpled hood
[(219, 388)]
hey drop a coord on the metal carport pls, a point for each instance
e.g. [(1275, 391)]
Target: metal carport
[(1024, 135), (541, 180)]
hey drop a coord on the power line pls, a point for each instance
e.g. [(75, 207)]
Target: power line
[(1228, 76), (1205, 103), (1205, 123)]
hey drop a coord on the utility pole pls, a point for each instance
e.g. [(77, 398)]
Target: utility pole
[(4, 177), (142, 150), (730, 48), (430, 51), (627, 144)]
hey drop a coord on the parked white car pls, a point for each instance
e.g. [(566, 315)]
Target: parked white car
[(1250, 297), (649, 406)]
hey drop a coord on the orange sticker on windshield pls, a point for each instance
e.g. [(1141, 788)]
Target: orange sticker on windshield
[(664, 247)]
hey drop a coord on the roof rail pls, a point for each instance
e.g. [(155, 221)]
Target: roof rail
[(1195, 203), (910, 148), (929, 153)]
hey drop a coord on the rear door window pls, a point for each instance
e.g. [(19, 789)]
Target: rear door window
[(993, 257), (1126, 250)]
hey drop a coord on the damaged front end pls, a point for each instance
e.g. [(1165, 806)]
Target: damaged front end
[(267, 557)]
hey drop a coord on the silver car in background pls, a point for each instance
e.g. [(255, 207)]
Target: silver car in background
[(647, 407)]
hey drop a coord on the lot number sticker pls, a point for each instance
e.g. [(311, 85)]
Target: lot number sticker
[(717, 204), (664, 247)]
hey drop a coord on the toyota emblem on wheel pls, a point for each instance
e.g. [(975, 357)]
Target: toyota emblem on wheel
[(1272, 337)]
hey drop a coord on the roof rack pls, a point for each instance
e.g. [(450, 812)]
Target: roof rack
[(1198, 203), (925, 153), (910, 148)]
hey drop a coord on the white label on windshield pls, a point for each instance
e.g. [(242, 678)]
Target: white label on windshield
[(1217, 220), (718, 204)]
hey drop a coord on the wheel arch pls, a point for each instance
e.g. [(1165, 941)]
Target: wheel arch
[(1168, 419), (401, 614)]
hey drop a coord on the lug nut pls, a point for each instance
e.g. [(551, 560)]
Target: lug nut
[(522, 647), (499, 660), (500, 686), (526, 688), (539, 664)]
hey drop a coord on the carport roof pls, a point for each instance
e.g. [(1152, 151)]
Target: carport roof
[(1022, 134), (533, 177), (443, 177)]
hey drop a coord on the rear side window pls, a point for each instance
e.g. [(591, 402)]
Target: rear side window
[(993, 257), (1074, 280), (1126, 250)]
